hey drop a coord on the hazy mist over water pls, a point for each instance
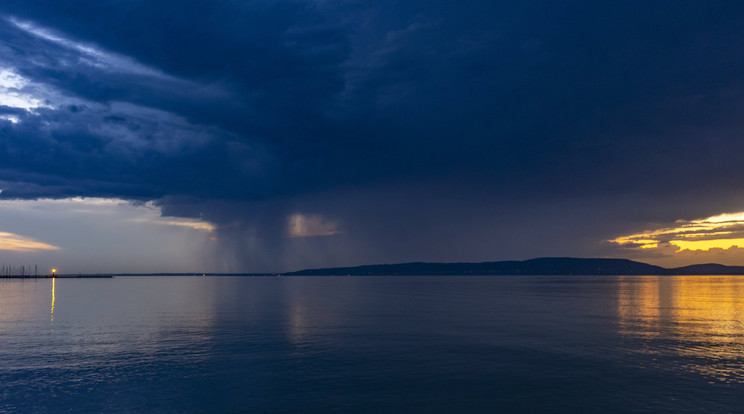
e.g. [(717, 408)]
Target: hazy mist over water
[(372, 344)]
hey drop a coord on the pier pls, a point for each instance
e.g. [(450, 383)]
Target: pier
[(25, 272)]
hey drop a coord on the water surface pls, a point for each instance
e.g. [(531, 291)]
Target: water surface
[(372, 344)]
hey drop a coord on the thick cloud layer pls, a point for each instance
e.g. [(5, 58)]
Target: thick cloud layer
[(421, 130)]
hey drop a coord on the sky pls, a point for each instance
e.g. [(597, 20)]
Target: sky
[(270, 136)]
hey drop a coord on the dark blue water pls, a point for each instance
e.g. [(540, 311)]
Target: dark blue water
[(372, 344)]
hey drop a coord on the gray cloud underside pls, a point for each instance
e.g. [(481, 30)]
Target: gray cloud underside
[(418, 126)]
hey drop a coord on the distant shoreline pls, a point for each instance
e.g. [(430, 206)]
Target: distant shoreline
[(546, 266)]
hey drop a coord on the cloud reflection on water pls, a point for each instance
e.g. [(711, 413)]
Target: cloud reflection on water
[(99, 320)]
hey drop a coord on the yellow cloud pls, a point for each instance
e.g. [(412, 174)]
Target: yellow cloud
[(717, 232), (17, 243), (707, 244)]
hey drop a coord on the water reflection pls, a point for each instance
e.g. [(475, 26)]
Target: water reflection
[(374, 344), (52, 317), (140, 318), (698, 318), (316, 308)]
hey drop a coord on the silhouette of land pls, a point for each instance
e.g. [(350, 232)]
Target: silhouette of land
[(540, 266)]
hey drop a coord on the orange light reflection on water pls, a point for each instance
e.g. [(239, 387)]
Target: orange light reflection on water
[(700, 317), (54, 279)]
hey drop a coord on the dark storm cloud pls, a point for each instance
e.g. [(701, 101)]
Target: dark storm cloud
[(248, 112), (122, 150)]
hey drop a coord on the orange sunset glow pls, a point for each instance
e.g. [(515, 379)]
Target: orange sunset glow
[(716, 233)]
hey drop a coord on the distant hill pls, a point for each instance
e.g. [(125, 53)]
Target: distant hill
[(708, 269), (541, 266)]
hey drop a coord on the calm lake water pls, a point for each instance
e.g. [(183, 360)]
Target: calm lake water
[(373, 344)]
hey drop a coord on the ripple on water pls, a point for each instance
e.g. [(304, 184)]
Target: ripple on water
[(439, 344)]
